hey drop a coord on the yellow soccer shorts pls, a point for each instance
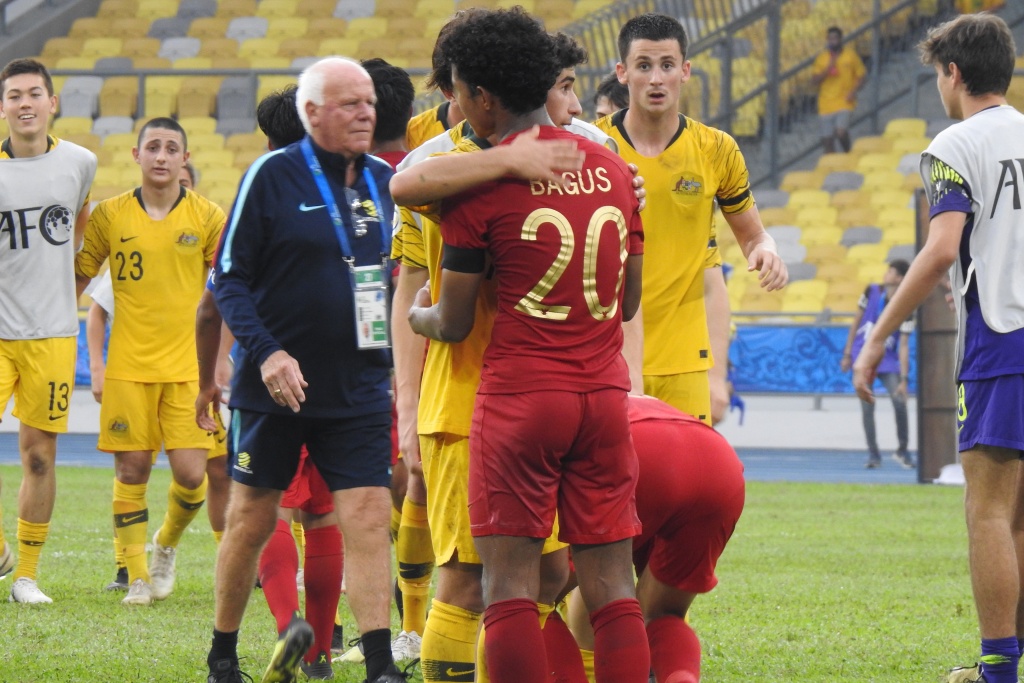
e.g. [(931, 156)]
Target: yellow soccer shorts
[(220, 438), (141, 416), (689, 392), (445, 459), (40, 374)]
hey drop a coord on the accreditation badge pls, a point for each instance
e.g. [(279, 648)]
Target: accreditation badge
[(371, 305)]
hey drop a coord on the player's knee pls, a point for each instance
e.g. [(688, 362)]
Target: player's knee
[(38, 464)]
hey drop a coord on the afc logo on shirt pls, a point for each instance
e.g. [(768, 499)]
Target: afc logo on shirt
[(55, 224)]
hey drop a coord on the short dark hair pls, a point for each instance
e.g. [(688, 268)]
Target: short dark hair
[(835, 29), (17, 67), (651, 26), (981, 46), (163, 123), (278, 118), (617, 93), (568, 53), (440, 68), (395, 93), (900, 266), (508, 54)]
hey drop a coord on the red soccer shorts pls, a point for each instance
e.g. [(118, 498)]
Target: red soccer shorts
[(689, 497), (533, 452), (308, 491)]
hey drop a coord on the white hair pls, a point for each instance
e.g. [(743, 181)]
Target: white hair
[(311, 84)]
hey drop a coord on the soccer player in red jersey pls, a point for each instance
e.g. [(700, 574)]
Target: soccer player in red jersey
[(550, 427)]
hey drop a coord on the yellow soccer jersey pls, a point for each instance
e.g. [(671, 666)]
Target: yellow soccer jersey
[(158, 270), (426, 125), (701, 164), (451, 372), (51, 142)]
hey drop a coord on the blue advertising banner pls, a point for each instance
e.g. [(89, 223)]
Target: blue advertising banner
[(796, 359)]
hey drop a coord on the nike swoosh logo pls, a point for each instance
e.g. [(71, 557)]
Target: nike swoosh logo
[(52, 418), (133, 518), (452, 673), (128, 239), (303, 207)]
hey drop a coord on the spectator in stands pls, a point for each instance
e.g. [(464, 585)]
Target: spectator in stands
[(839, 74), (611, 96), (895, 368)]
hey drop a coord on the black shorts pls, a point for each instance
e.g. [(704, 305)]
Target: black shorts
[(349, 452)]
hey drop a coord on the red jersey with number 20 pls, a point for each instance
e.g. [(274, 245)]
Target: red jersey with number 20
[(558, 255)]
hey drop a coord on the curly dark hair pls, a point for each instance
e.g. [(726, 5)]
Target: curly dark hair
[(568, 53), (395, 93), (279, 119), (507, 53), (650, 26), (440, 77)]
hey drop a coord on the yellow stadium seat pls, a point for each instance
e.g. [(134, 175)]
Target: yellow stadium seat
[(374, 47), (584, 7), (244, 158), (62, 47), (324, 29), (258, 47), (405, 27), (205, 143), (140, 47), (872, 144), (799, 199), (200, 125), (106, 175), (365, 28), (821, 234), (192, 63), (220, 175), (844, 199), (882, 180), (156, 9), (287, 27), (127, 27), (831, 163), (212, 158), (90, 27), (83, 63), (218, 47), (434, 9), (345, 47), (757, 300), (433, 27), (129, 176), (197, 100), (896, 217), (90, 141), (813, 216), (830, 252), (883, 199), (815, 289), (269, 62), (315, 9), (851, 285), (209, 27), (151, 63), (802, 180), (863, 254), (236, 8), (162, 95), (836, 271), (554, 9), (733, 254), (777, 215), (293, 48), (902, 128), (846, 303), (910, 145), (101, 47), (856, 215), (393, 9), (119, 96), (221, 195), (801, 304), (269, 84), (68, 125), (112, 9), (911, 182), (876, 161), (276, 8), (246, 141), (120, 141), (528, 5)]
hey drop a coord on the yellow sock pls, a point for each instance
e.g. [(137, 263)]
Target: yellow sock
[(218, 536), (118, 552), (300, 537), (337, 616), (588, 663), (2, 539), (544, 611), (182, 507), (31, 537), (131, 523), (415, 556), (396, 522), (449, 644)]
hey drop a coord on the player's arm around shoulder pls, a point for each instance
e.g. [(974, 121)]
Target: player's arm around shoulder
[(95, 244), (633, 281)]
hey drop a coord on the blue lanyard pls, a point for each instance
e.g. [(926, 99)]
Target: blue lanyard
[(332, 205)]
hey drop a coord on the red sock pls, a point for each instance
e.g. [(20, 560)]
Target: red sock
[(323, 585), (675, 650), (514, 644), (278, 565), (564, 658), (621, 653)]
